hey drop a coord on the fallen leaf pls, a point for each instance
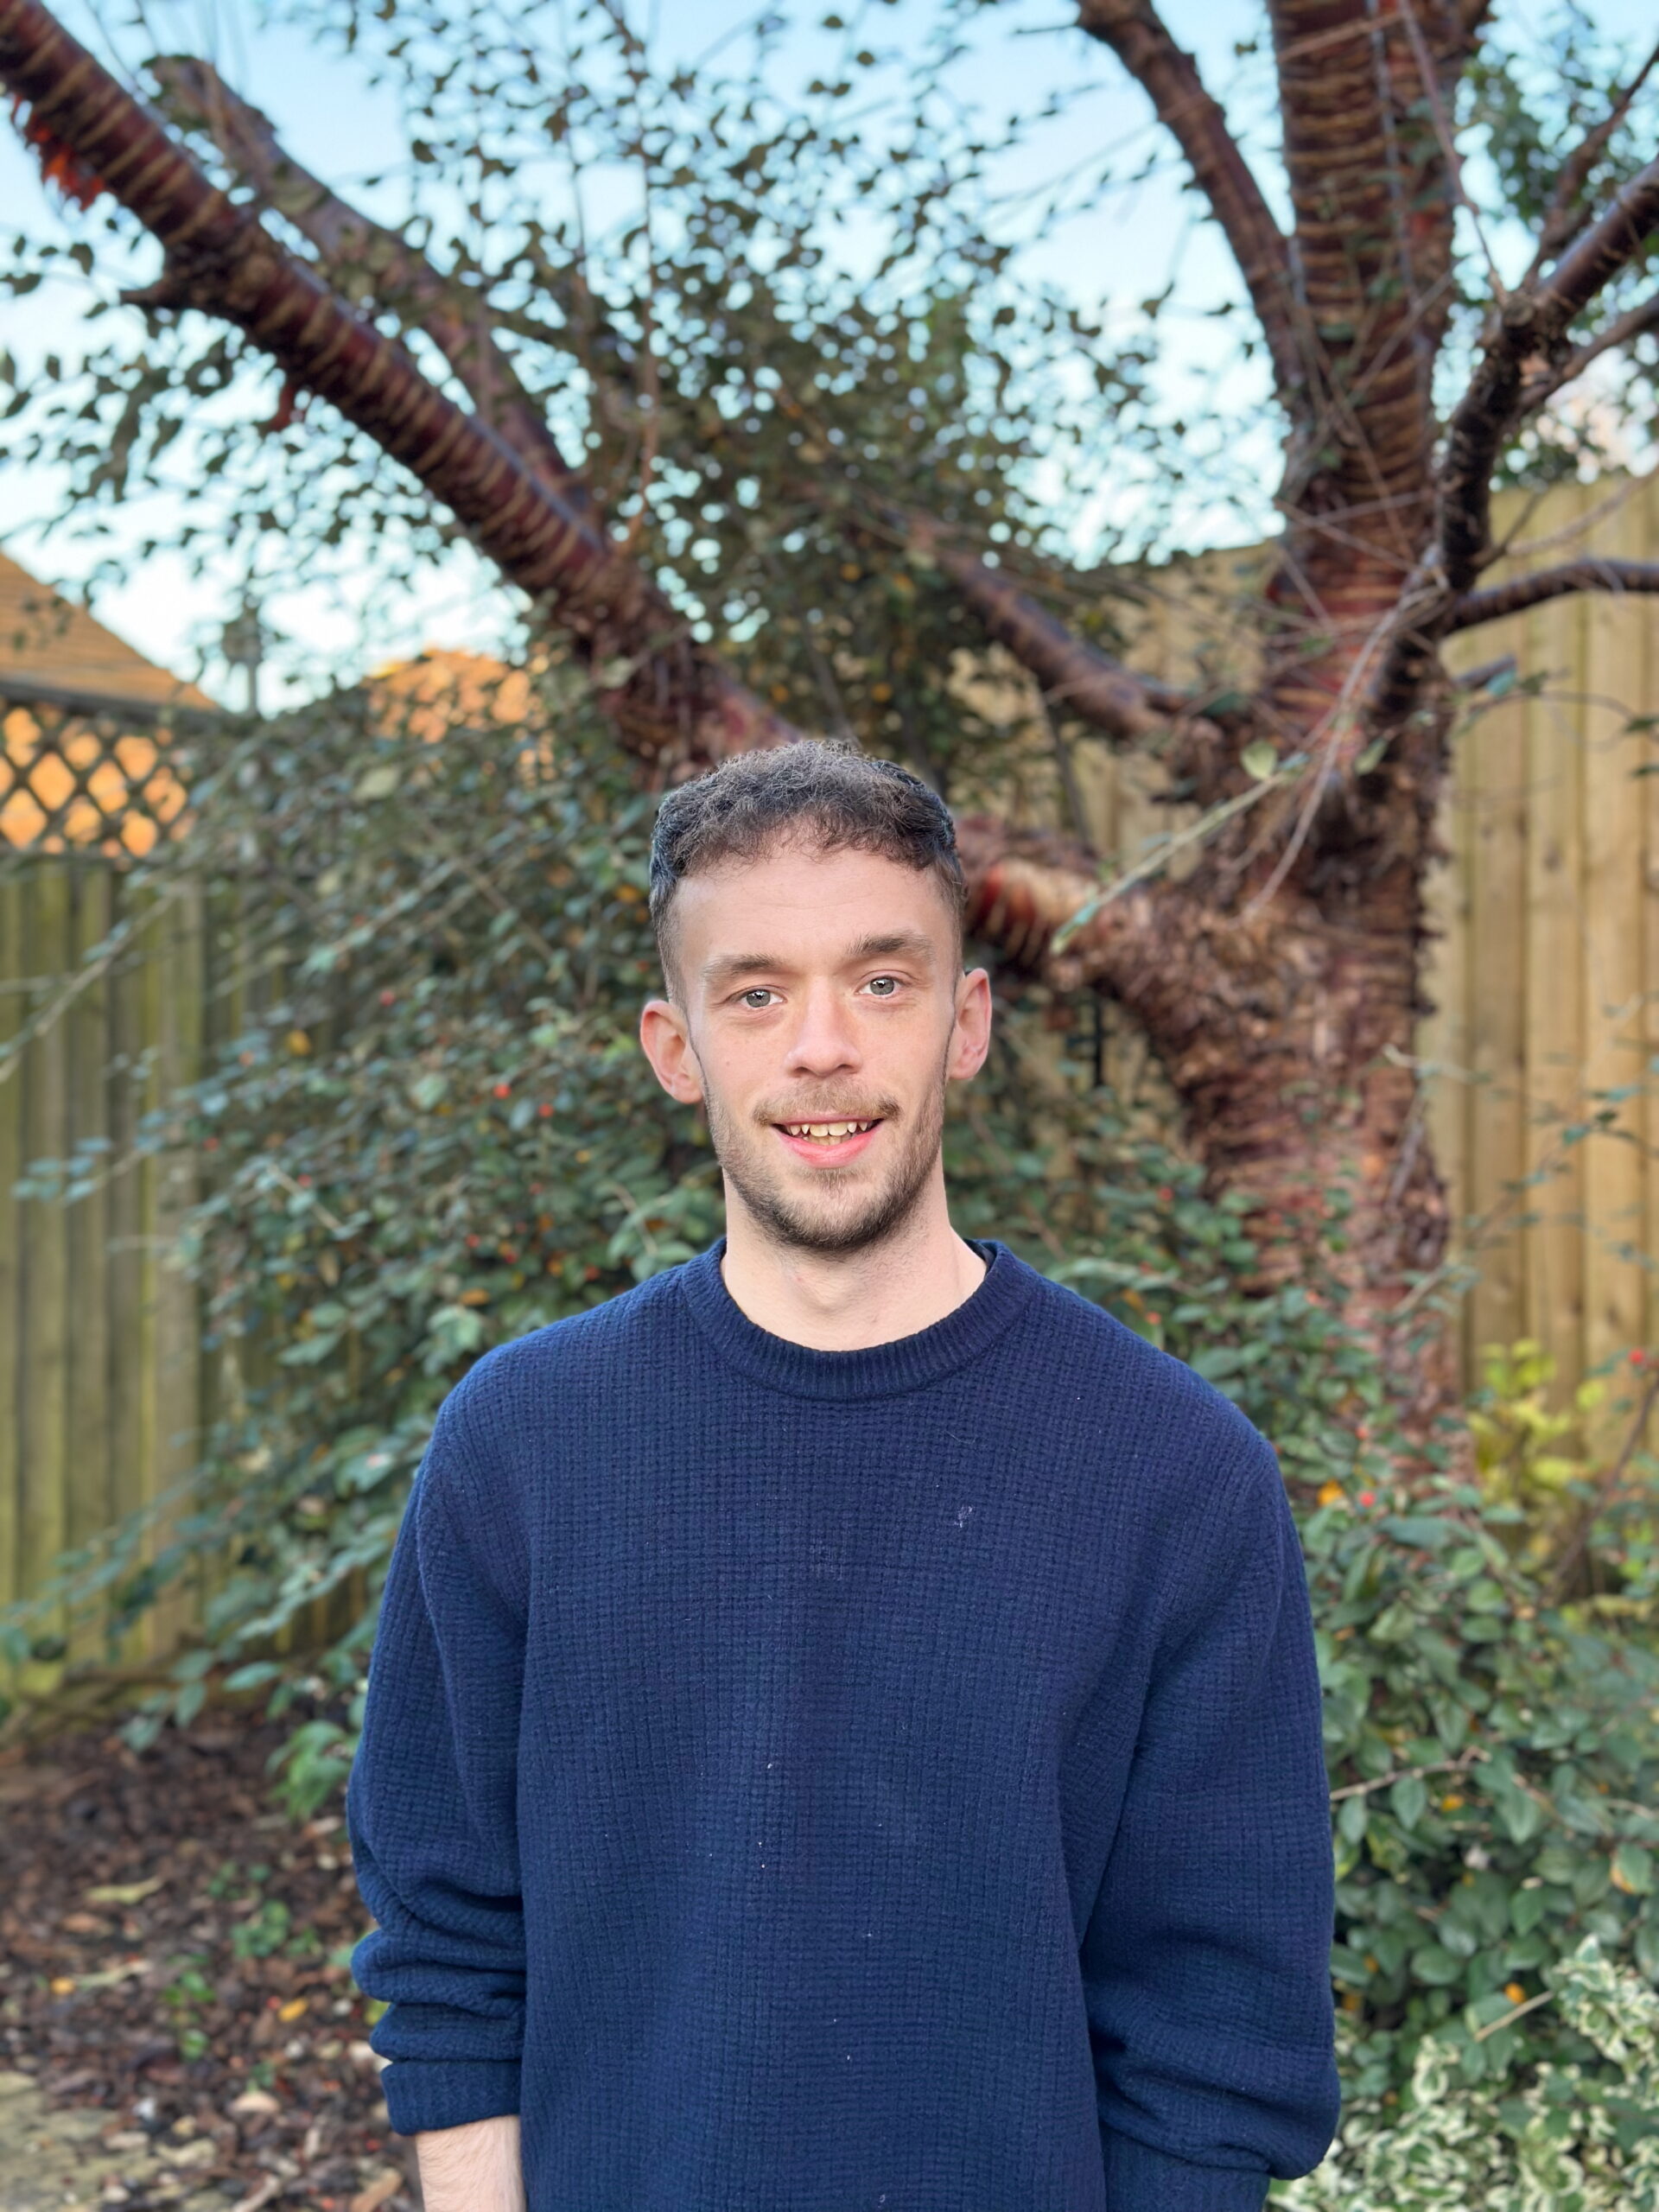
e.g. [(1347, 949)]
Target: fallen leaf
[(83, 1923), (293, 2009), (252, 2103), (201, 2152), (384, 2186), (62, 1985), (111, 1975), (124, 1892)]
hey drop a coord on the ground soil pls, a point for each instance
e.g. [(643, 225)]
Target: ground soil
[(177, 2024)]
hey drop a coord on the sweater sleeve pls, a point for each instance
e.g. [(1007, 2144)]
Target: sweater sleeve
[(1206, 1957), (430, 1808)]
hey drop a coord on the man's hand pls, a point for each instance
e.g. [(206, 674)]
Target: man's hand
[(472, 2169)]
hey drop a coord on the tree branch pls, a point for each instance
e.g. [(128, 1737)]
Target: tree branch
[(1526, 350), (1633, 323), (1138, 36), (1568, 212), (364, 261), (1024, 884), (1078, 679), (1614, 239), (1514, 598), (669, 702), (1530, 342)]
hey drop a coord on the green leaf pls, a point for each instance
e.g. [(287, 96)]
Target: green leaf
[(1632, 1870), (1409, 1801), (1520, 1814), (1419, 1530), (1434, 1965), (1527, 1909), (1259, 758)]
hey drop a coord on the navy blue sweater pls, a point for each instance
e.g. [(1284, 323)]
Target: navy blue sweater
[(804, 1781)]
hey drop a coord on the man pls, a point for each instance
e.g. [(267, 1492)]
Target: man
[(843, 1729)]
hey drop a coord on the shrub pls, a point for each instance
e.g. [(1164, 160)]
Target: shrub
[(1578, 2132)]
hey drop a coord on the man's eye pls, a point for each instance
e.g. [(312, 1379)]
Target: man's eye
[(757, 998), (883, 986)]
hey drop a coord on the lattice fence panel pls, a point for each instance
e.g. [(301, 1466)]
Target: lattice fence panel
[(83, 778)]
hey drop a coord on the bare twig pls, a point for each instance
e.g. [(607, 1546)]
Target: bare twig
[(1567, 213), (1634, 323), (1458, 1765), (1504, 2019)]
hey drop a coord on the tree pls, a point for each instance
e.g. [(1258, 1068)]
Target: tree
[(1280, 980)]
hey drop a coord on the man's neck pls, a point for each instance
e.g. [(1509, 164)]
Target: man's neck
[(845, 1301)]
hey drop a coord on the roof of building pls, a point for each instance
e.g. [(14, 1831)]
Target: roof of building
[(46, 638)]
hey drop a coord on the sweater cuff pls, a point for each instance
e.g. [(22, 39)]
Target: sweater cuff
[(1139, 2179), (423, 2093)]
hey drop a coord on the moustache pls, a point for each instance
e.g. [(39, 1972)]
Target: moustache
[(795, 1109)]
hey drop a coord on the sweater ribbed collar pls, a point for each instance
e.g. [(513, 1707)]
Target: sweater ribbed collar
[(874, 1371)]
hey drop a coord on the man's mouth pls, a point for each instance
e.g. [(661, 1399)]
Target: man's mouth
[(825, 1133), (833, 1141)]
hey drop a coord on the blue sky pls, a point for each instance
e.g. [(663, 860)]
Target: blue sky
[(338, 122)]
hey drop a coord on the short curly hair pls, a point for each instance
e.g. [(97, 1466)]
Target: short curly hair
[(834, 796)]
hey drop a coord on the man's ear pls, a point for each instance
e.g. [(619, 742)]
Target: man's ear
[(666, 1043), (970, 1037)]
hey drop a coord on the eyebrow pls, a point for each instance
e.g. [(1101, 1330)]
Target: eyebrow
[(886, 944), (893, 944)]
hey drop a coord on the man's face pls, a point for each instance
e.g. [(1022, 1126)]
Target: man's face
[(819, 1013)]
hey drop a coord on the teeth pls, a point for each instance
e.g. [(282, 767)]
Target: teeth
[(823, 1130)]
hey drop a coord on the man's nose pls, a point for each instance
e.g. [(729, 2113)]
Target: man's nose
[(824, 1040)]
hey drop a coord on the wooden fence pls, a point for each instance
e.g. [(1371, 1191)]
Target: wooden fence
[(102, 1376), (1546, 985)]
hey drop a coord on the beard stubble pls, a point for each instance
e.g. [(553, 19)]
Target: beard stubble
[(793, 1221)]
